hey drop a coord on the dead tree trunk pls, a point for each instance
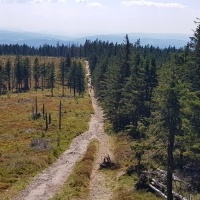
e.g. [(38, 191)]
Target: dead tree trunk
[(60, 115), (46, 123), (49, 118), (170, 162), (43, 110), (36, 108)]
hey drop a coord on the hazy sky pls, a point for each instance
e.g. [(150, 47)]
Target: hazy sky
[(75, 17)]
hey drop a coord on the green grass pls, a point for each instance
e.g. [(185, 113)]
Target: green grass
[(77, 185)]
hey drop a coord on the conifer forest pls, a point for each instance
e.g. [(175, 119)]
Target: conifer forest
[(148, 94)]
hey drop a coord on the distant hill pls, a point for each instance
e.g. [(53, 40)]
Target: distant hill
[(31, 39), (155, 39), (37, 39)]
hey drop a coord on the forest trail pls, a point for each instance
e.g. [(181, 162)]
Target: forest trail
[(45, 185), (98, 188)]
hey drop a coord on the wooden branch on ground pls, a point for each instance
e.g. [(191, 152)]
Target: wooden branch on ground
[(163, 187), (157, 191), (145, 182), (178, 196)]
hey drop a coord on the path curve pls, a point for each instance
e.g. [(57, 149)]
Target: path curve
[(45, 185)]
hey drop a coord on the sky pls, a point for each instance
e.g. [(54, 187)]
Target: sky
[(92, 17)]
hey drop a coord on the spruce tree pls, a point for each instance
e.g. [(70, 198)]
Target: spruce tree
[(169, 121), (64, 71), (62, 75), (36, 72), (80, 85), (195, 46), (26, 72), (73, 77), (52, 77), (8, 69), (173, 125), (18, 67), (43, 74), (112, 95)]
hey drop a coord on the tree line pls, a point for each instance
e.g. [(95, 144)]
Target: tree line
[(23, 73), (153, 95), (43, 50), (88, 49)]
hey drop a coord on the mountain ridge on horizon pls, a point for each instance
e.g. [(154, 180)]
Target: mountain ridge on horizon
[(161, 40)]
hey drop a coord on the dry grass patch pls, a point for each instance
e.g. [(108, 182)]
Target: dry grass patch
[(123, 185), (25, 147), (77, 185), (125, 190)]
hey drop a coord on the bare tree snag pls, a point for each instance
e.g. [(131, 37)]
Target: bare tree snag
[(49, 118), (36, 108), (46, 123), (43, 110), (60, 115)]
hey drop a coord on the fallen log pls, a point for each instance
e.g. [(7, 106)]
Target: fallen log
[(158, 184), (157, 191), (145, 182), (178, 196), (164, 188)]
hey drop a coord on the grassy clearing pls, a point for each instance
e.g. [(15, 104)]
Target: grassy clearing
[(77, 185), (21, 155), (125, 190), (123, 185)]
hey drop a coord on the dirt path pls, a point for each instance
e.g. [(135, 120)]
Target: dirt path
[(46, 184), (98, 188)]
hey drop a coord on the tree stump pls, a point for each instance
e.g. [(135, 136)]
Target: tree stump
[(107, 163)]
